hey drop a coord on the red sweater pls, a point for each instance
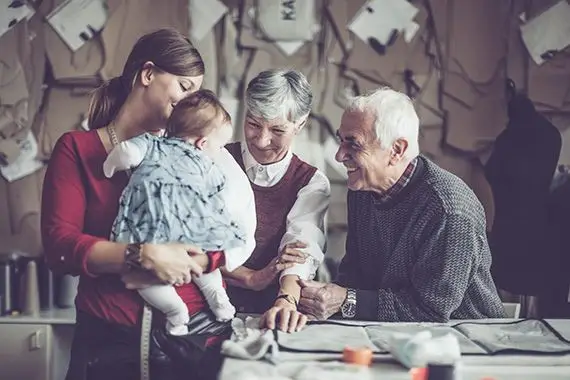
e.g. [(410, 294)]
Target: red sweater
[(79, 205)]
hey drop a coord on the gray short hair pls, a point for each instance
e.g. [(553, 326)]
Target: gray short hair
[(396, 117), (274, 94)]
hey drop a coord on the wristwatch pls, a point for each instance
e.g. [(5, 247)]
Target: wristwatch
[(133, 255), (348, 308)]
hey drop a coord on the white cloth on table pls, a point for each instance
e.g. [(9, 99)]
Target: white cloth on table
[(417, 350), (249, 342)]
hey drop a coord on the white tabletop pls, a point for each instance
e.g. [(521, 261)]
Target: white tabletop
[(498, 367)]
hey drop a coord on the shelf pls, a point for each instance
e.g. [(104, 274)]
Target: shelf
[(52, 317)]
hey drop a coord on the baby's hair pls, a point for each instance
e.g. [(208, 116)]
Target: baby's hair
[(196, 115)]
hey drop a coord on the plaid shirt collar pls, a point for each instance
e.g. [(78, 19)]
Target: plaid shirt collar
[(400, 184)]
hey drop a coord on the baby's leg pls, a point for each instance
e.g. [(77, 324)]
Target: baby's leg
[(165, 299), (211, 286)]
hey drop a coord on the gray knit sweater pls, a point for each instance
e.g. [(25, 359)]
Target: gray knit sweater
[(423, 255)]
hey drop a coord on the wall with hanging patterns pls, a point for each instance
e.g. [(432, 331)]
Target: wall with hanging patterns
[(452, 57)]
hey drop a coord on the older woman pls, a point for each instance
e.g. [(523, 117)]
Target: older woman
[(291, 199)]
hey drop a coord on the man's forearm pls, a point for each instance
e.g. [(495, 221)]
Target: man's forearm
[(367, 304), (388, 306)]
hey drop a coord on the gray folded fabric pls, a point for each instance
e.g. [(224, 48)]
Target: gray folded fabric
[(325, 338), (473, 338), (532, 336), (381, 335)]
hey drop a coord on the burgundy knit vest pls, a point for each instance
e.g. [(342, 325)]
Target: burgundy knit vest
[(272, 205)]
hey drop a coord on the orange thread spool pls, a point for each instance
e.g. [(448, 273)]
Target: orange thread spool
[(418, 373), (359, 356)]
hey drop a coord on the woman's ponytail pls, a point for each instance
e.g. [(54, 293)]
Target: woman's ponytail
[(106, 102)]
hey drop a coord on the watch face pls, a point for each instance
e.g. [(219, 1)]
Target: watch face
[(348, 309)]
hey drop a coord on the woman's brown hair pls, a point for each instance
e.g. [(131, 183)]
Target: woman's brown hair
[(168, 49), (196, 115)]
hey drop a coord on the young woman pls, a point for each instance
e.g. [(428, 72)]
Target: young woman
[(79, 205)]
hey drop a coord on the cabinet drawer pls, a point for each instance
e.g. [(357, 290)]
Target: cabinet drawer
[(25, 351)]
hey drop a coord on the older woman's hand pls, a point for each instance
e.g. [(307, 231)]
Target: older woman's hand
[(290, 255), (284, 316), (171, 263)]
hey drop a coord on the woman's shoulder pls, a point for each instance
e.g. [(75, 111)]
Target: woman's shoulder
[(79, 143), (301, 167), (79, 138), (301, 164)]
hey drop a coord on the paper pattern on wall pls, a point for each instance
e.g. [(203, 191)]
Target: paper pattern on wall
[(26, 163), (78, 21), (12, 12), (203, 16), (548, 33)]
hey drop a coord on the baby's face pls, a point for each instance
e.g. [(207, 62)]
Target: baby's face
[(218, 139)]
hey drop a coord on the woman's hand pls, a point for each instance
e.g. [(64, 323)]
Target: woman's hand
[(139, 278), (289, 256), (285, 316), (171, 263)]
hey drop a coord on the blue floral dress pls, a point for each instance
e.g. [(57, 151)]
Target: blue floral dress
[(174, 196)]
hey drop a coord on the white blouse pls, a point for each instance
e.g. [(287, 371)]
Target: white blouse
[(306, 220)]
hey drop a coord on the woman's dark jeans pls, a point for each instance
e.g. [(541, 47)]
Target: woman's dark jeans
[(106, 351)]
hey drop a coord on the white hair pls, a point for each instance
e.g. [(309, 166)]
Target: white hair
[(275, 94), (395, 117)]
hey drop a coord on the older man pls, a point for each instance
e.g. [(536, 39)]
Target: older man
[(416, 247)]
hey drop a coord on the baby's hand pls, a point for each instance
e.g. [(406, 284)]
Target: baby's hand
[(108, 169)]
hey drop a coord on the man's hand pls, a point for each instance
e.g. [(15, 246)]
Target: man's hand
[(284, 316), (321, 300), (289, 256)]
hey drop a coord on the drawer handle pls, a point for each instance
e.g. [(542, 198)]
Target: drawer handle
[(35, 340)]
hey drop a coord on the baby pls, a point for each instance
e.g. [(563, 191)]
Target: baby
[(173, 195)]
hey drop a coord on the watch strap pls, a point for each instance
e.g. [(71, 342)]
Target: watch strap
[(133, 255), (289, 298)]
